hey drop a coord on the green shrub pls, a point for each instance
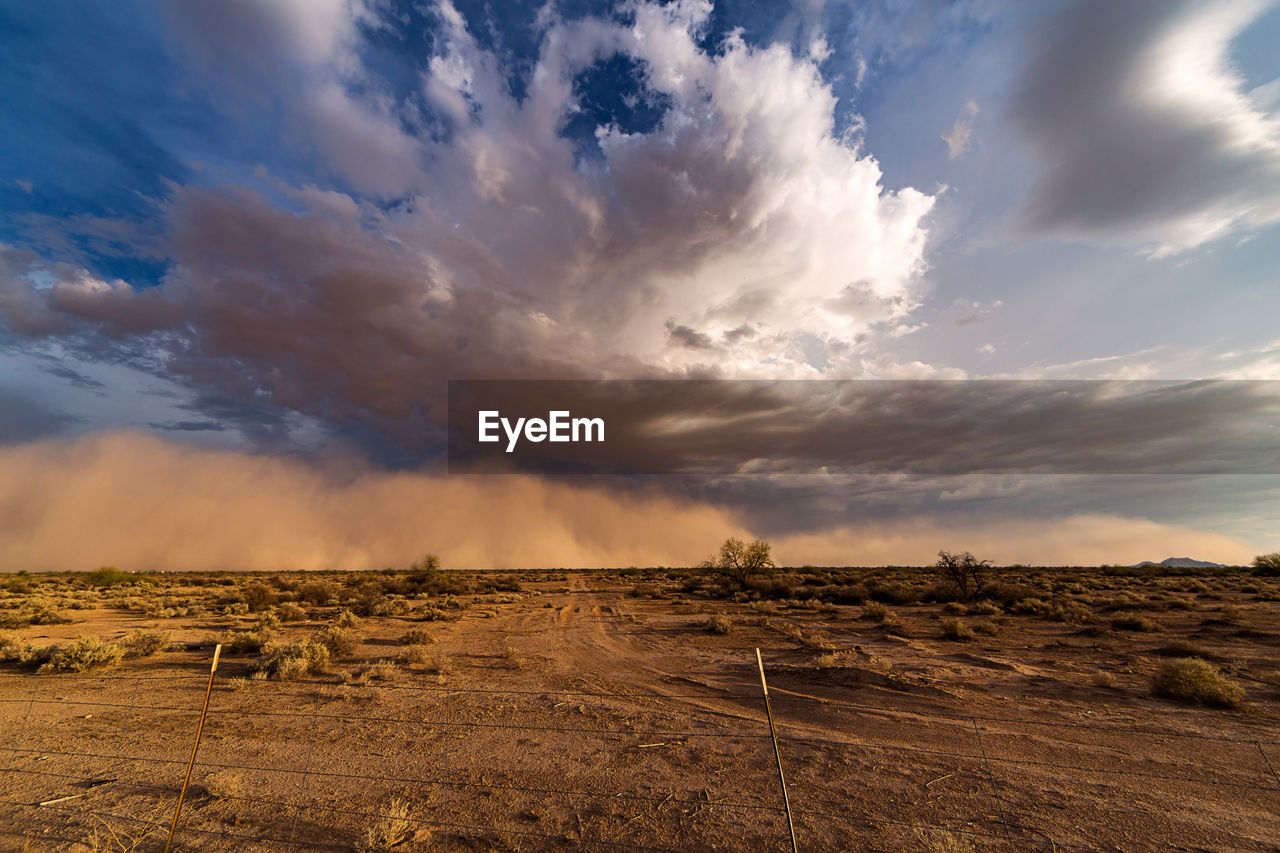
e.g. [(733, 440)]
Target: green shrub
[(1198, 681), (83, 655), (108, 576)]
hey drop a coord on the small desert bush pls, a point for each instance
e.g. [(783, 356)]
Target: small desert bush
[(318, 593), (383, 670), (290, 612), (144, 644), (347, 619), (1231, 613), (109, 576), (389, 607), (413, 655), (989, 629), (416, 637), (390, 828), (34, 612), (13, 650), (876, 611), (1179, 649), (432, 613), (1031, 605), (718, 623), (1074, 612), (985, 608), (1129, 621), (1198, 681), (294, 660), (954, 629), (83, 655), (340, 641), (247, 642), (1104, 680)]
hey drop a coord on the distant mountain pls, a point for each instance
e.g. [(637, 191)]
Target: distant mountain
[(1182, 563)]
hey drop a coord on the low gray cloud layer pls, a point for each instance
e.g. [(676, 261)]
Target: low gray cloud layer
[(1142, 132)]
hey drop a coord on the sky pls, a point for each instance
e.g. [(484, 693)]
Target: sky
[(245, 245)]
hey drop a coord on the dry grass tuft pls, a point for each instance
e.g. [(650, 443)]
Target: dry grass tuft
[(391, 828)]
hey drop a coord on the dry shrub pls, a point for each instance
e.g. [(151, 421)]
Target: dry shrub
[(144, 644), (294, 660), (347, 619), (390, 828), (954, 629), (413, 654), (290, 612), (34, 612), (318, 593), (83, 655), (1104, 680), (1198, 681), (340, 641), (718, 623), (1129, 621), (247, 642), (383, 670), (876, 611), (416, 637), (13, 650)]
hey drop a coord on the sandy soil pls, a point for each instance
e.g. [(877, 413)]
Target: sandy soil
[(585, 716)]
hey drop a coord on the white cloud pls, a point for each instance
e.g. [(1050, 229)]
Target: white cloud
[(746, 207)]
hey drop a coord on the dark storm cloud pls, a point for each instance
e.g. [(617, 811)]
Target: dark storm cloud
[(917, 428), (1142, 132), (188, 426)]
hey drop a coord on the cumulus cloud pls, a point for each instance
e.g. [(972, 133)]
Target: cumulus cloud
[(468, 235), (1143, 133)]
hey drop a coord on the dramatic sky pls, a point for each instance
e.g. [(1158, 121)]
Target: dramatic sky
[(244, 245)]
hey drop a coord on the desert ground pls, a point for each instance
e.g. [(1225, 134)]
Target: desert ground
[(1094, 709)]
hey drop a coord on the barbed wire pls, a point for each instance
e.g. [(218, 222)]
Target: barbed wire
[(779, 692)]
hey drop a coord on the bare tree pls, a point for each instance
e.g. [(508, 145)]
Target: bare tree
[(963, 571), (742, 560)]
